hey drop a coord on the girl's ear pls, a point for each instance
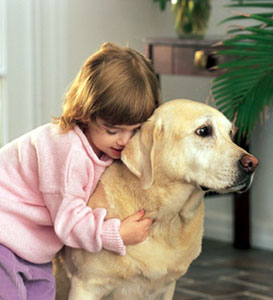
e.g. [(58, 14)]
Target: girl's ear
[(139, 153)]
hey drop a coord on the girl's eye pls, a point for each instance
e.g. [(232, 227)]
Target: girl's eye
[(136, 130), (111, 132)]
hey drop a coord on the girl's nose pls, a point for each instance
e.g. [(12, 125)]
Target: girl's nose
[(124, 138)]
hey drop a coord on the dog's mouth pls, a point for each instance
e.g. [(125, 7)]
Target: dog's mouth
[(240, 186), (245, 185), (204, 188)]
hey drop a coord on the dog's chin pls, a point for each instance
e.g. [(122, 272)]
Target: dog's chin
[(238, 187), (243, 186)]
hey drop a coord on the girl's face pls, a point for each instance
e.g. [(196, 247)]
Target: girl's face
[(109, 139)]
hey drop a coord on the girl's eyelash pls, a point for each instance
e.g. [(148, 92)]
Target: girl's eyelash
[(110, 132)]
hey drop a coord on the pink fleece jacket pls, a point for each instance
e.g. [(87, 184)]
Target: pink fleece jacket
[(46, 179)]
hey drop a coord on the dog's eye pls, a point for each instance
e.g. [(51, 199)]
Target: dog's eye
[(204, 131)]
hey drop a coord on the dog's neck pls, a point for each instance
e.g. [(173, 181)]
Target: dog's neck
[(163, 201)]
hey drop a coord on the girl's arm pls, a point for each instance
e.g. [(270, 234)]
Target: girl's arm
[(79, 226)]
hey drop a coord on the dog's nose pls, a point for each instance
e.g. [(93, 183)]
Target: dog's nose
[(249, 163)]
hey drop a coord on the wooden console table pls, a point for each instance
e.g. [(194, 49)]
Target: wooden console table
[(197, 58)]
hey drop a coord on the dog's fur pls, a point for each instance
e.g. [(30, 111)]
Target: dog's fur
[(183, 150)]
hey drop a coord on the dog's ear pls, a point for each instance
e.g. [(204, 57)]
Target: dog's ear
[(139, 153)]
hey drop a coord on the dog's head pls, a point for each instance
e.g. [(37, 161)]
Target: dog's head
[(190, 142)]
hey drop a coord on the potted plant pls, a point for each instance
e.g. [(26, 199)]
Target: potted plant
[(245, 91), (190, 16)]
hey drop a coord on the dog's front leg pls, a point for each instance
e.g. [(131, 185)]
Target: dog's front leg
[(168, 294), (82, 290)]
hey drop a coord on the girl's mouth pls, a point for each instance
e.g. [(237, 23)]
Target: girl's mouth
[(117, 151)]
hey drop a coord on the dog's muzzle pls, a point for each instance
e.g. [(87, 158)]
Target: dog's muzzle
[(247, 166)]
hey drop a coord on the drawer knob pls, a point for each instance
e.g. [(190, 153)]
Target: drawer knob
[(205, 61)]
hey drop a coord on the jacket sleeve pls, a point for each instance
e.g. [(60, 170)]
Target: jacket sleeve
[(79, 226), (76, 224)]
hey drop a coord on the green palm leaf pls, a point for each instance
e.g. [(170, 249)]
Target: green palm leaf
[(245, 89)]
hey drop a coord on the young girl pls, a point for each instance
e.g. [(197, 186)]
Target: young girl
[(48, 174)]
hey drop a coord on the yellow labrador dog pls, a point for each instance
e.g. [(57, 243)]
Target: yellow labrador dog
[(182, 151)]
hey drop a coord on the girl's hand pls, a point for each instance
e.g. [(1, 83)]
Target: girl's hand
[(134, 229)]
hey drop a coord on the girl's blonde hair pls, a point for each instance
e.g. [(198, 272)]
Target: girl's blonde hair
[(115, 84)]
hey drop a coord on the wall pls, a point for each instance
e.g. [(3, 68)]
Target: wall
[(91, 23), (48, 41), (35, 64), (19, 66)]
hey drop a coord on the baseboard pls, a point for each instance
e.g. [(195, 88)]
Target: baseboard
[(262, 235), (219, 226)]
